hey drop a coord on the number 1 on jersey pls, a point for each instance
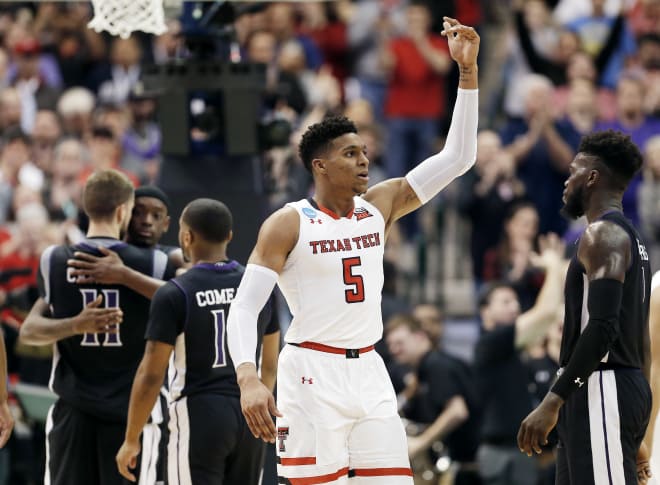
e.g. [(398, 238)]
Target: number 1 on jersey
[(355, 294), (220, 333)]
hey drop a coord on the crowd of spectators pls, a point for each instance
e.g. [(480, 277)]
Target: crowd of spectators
[(551, 70)]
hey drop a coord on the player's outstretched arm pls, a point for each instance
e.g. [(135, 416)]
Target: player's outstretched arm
[(146, 388), (40, 329), (109, 269), (6, 418), (277, 237), (397, 197)]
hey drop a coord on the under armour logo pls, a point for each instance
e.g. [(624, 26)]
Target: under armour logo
[(317, 220), (579, 382), (282, 435), (307, 380)]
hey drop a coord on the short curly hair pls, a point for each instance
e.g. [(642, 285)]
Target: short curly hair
[(320, 135), (616, 151)]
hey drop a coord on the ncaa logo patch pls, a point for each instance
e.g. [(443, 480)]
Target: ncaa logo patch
[(309, 212), (361, 213)]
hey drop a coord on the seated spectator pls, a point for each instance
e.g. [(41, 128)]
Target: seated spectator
[(141, 141), (75, 108), (45, 135), (114, 80), (282, 88), (16, 168), (34, 92), (63, 198), (282, 23), (105, 153), (10, 109), (511, 260), (443, 401), (430, 319), (31, 235)]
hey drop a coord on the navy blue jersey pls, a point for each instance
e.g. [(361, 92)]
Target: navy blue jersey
[(628, 349), (94, 372), (190, 313)]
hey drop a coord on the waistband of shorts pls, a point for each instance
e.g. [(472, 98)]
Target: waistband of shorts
[(348, 353)]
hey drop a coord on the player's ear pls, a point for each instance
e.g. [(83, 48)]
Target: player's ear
[(231, 235), (319, 165), (167, 224)]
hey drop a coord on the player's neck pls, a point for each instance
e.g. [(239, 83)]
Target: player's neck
[(340, 205), (103, 229), (211, 257), (603, 203)]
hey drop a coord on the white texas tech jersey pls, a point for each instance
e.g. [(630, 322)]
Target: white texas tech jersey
[(333, 277)]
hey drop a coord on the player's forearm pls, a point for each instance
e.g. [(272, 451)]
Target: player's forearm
[(145, 391), (140, 283), (38, 329), (604, 305), (457, 156), (455, 413), (468, 76), (252, 294)]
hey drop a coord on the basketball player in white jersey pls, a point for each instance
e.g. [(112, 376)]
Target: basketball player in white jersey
[(337, 420), (652, 431)]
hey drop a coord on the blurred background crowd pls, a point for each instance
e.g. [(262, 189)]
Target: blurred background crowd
[(72, 101)]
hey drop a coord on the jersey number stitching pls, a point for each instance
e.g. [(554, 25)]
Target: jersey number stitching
[(110, 300), (220, 338), (355, 294)]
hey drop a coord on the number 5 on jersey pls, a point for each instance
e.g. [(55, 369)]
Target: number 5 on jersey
[(356, 293), (110, 300)]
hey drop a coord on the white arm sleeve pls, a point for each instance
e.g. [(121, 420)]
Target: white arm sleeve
[(256, 286), (459, 153)]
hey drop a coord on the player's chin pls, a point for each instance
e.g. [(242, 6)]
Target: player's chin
[(361, 187)]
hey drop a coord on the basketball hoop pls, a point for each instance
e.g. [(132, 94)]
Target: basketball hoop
[(122, 17)]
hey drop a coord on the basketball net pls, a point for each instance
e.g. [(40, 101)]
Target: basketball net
[(122, 17)]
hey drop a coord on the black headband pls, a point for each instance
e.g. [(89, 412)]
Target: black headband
[(153, 191)]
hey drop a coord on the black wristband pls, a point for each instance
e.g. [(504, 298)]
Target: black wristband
[(604, 304)]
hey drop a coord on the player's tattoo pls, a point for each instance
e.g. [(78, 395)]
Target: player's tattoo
[(465, 73)]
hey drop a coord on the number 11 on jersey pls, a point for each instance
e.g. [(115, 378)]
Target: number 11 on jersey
[(110, 300)]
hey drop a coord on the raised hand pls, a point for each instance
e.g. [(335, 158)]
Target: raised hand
[(463, 41), (551, 253)]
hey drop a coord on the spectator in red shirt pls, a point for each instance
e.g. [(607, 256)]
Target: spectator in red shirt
[(417, 63)]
